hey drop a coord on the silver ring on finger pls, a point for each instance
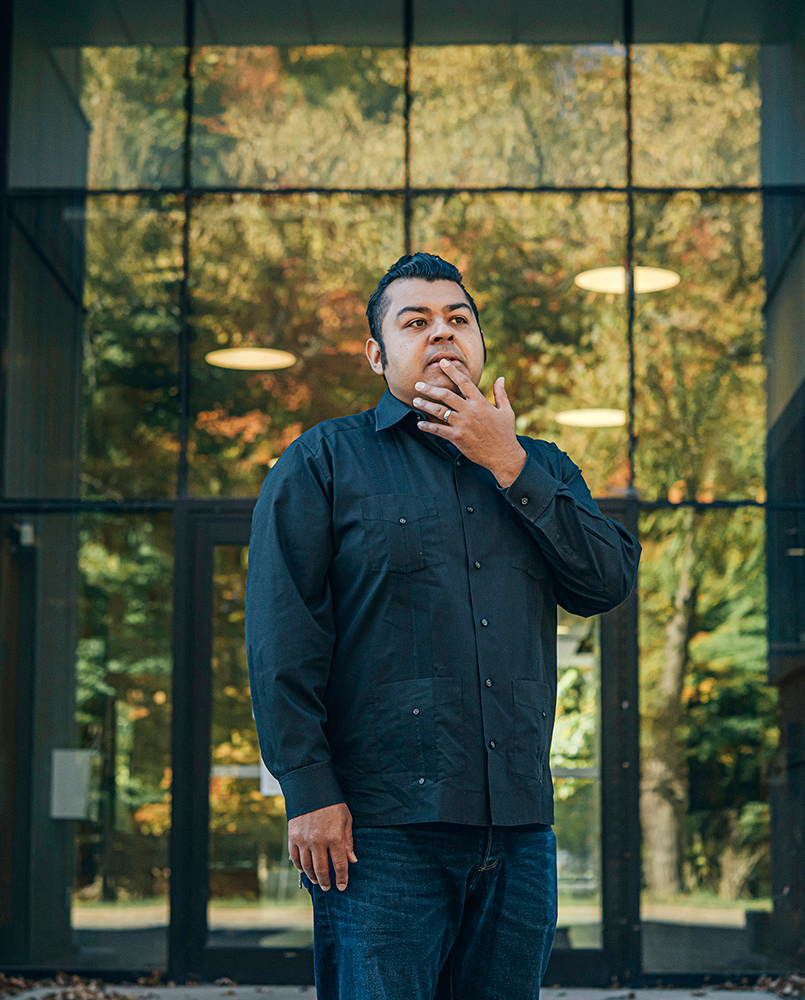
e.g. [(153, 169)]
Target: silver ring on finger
[(446, 416)]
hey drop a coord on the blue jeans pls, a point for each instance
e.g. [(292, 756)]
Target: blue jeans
[(439, 911)]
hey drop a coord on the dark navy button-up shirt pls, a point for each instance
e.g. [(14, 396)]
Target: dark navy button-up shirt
[(401, 620)]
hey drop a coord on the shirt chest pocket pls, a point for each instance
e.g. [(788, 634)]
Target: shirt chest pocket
[(401, 532)]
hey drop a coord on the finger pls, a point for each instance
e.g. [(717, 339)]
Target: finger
[(437, 409), (340, 866), (466, 385), (307, 865), (321, 865), (440, 430), (437, 392), (293, 853), (501, 396), (348, 842)]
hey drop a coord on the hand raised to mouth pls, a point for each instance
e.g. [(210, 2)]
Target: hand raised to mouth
[(483, 432)]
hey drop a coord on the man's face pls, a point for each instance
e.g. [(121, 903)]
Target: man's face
[(426, 321)]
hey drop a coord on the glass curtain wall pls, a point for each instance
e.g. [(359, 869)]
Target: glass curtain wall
[(210, 177)]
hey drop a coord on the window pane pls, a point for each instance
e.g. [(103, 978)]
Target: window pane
[(576, 772), (700, 407), (123, 715), (254, 898), (488, 115), (293, 273), (298, 117), (696, 114), (131, 347), (133, 99), (97, 95), (42, 350), (708, 740), (561, 348)]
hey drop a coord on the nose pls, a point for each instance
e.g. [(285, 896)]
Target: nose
[(441, 331)]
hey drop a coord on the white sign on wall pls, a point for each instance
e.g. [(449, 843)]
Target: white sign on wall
[(70, 783)]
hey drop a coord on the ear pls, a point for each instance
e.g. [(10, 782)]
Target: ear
[(373, 356)]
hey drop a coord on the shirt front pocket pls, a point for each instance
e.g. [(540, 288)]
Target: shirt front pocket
[(530, 562), (419, 727), (533, 725), (401, 535)]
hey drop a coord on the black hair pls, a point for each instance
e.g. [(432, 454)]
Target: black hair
[(417, 265)]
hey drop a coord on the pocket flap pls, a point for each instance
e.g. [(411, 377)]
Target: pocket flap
[(398, 507), (534, 694), (531, 563)]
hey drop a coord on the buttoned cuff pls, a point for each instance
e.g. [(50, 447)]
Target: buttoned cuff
[(532, 490), (309, 788)]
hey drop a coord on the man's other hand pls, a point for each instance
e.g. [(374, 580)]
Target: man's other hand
[(315, 837)]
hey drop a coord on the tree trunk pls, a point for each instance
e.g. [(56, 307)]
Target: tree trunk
[(664, 779)]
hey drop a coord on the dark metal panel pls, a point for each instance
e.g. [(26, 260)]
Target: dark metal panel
[(6, 35), (182, 832), (620, 775), (17, 677)]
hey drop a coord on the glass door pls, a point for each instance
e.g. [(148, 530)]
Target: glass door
[(237, 909)]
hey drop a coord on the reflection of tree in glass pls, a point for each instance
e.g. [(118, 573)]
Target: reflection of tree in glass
[(559, 348), (520, 115), (123, 703), (131, 347), (298, 117), (247, 829), (699, 350), (708, 718), (696, 114), (293, 273), (133, 98)]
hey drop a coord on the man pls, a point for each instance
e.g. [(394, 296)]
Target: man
[(405, 567)]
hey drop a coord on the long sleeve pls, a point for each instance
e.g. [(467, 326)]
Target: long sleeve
[(593, 558), (290, 630)]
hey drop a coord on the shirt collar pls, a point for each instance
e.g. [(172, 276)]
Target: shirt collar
[(390, 411)]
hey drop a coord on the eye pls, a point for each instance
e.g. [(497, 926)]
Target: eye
[(460, 319), (414, 322)]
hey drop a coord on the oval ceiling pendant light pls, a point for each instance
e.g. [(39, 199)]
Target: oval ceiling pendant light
[(613, 279), (592, 417), (250, 358)]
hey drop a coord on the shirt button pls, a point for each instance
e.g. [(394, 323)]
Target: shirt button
[(477, 565), (416, 711), (402, 520), (470, 510), (543, 714), (484, 622), (422, 781), (491, 744), (488, 682), (524, 500), (458, 461)]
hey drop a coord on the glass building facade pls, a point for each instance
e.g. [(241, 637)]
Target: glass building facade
[(188, 176)]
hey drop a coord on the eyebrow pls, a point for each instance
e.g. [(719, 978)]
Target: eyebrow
[(427, 309)]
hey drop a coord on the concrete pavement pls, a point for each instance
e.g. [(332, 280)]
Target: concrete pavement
[(125, 992)]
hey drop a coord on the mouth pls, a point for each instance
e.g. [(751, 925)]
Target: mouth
[(450, 357)]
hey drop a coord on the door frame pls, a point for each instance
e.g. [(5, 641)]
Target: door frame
[(202, 524)]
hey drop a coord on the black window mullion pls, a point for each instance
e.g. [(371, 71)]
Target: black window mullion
[(184, 338)]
